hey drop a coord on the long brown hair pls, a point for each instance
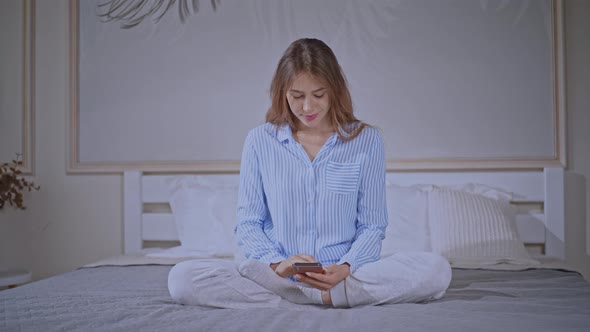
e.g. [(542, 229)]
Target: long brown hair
[(313, 56)]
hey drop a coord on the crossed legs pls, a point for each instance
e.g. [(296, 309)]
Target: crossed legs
[(400, 278)]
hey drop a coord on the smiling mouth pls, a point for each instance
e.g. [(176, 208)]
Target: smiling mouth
[(310, 117)]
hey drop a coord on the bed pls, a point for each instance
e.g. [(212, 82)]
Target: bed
[(129, 292)]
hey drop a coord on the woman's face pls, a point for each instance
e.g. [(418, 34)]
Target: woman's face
[(309, 102)]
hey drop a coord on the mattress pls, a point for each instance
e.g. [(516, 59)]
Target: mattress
[(135, 298)]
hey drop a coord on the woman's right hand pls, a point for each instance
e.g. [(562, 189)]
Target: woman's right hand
[(284, 269)]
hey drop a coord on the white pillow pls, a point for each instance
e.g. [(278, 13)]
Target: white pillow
[(408, 220), (204, 209), (469, 228), (485, 190), (474, 188)]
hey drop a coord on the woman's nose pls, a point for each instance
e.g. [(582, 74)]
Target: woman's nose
[(306, 104)]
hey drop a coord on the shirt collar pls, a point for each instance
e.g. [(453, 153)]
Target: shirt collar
[(284, 133)]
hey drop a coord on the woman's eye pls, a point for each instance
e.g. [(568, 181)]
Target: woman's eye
[(319, 96), (297, 97)]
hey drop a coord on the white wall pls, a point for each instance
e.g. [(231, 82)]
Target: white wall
[(73, 220), (77, 219), (81, 215), (578, 120)]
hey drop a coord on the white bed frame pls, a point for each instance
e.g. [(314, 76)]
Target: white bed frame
[(541, 205)]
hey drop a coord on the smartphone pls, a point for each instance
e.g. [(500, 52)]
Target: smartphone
[(308, 267)]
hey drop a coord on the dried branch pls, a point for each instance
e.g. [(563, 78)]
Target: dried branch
[(12, 186)]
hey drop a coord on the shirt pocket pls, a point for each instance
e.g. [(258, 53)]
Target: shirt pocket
[(342, 178)]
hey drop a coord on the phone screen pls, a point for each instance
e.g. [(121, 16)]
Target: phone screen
[(308, 267)]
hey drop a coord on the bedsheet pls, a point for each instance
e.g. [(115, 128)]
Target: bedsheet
[(135, 298)]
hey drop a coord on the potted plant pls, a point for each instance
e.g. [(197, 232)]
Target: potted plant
[(13, 185)]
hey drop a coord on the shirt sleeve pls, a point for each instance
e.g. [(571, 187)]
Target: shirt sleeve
[(252, 211), (371, 210)]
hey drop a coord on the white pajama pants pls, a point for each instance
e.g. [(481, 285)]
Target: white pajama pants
[(401, 278)]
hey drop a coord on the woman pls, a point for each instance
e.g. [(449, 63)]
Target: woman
[(312, 189)]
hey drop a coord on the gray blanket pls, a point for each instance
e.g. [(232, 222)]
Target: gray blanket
[(135, 298)]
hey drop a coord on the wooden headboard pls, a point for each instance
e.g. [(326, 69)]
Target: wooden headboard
[(540, 220)]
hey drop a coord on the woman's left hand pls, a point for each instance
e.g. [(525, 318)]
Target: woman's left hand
[(325, 281)]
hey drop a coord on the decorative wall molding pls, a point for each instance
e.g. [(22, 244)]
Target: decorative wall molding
[(558, 158), (17, 95), (29, 88)]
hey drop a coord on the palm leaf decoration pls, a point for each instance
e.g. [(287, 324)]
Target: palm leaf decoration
[(131, 13)]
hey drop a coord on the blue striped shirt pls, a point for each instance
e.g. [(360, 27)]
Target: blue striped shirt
[(332, 208)]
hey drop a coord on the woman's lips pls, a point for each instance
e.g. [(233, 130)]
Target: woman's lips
[(310, 117)]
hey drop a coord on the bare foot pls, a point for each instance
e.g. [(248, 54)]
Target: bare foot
[(326, 297)]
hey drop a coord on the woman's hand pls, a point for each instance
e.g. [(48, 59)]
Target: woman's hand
[(333, 275), (284, 269)]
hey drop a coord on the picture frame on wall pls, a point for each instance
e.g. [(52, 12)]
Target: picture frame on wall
[(181, 95)]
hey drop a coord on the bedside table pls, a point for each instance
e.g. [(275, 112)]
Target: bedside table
[(12, 278)]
